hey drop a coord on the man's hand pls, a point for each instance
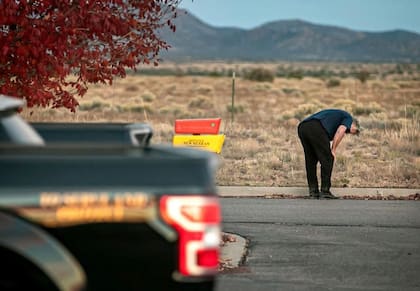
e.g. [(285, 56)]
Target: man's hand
[(333, 154)]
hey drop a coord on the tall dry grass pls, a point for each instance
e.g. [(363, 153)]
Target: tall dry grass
[(261, 146)]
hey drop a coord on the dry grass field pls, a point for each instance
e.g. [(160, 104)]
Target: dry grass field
[(262, 147)]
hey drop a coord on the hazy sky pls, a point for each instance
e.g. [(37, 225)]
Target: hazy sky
[(364, 15)]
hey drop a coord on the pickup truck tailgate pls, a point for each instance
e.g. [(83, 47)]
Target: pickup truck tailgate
[(103, 206)]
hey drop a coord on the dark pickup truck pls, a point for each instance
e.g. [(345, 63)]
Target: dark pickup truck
[(136, 134), (103, 213)]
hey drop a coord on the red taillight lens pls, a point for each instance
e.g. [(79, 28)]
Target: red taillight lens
[(208, 258), (202, 213), (197, 220)]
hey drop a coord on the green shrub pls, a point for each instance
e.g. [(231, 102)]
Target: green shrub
[(148, 96), (139, 108), (259, 75), (345, 104), (290, 91), (305, 110), (362, 76), (96, 104), (201, 102), (367, 109), (298, 74), (333, 83), (235, 109)]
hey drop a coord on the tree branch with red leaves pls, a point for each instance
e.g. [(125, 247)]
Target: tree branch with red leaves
[(44, 42)]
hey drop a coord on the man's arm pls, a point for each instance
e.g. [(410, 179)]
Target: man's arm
[(339, 134)]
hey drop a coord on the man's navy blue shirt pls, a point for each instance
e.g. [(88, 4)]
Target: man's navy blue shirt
[(331, 119)]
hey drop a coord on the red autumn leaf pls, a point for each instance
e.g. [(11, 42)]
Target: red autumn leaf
[(44, 41)]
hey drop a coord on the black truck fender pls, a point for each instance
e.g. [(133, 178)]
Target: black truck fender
[(43, 251)]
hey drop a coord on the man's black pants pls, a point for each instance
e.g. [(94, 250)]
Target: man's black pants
[(316, 146)]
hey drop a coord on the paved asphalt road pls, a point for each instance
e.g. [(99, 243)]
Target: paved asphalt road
[(300, 244)]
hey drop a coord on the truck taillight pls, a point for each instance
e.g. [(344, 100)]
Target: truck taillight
[(197, 220)]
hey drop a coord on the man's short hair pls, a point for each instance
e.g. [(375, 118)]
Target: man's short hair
[(358, 127)]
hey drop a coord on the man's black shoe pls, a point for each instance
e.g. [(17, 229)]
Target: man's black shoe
[(313, 195), (327, 195)]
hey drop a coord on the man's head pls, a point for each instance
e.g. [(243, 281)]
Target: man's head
[(355, 127)]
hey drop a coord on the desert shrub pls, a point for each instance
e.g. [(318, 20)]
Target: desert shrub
[(374, 124), (381, 121), (345, 104), (95, 104), (333, 83), (362, 76), (215, 73), (290, 122), (291, 91), (367, 109), (158, 72), (204, 89), (132, 100), (406, 85), (402, 68), (148, 96), (170, 88), (121, 108), (131, 88), (176, 110), (245, 132), (201, 102), (140, 108), (286, 115), (235, 109), (259, 75), (406, 138), (164, 110), (298, 74), (198, 113), (262, 87), (304, 110), (286, 157), (410, 111)]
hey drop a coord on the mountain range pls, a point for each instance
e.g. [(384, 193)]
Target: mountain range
[(286, 40)]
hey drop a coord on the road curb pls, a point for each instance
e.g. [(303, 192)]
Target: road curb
[(302, 192)]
